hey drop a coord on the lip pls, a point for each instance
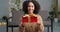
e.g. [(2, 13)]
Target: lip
[(30, 10)]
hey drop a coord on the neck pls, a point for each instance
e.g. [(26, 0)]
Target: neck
[(32, 14)]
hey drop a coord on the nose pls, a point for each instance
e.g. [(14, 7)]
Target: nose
[(30, 8)]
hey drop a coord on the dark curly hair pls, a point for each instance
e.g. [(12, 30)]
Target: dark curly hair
[(25, 5)]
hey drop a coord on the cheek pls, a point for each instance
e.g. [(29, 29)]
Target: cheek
[(33, 8)]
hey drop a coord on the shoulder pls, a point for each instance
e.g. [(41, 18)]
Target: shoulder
[(40, 20), (39, 16)]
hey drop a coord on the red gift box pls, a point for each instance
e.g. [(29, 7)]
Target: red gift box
[(26, 19), (33, 19)]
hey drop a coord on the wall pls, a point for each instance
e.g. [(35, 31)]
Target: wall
[(3, 8), (45, 4)]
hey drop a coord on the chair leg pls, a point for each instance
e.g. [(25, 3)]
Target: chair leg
[(48, 29), (52, 29), (12, 29), (7, 29), (51, 25)]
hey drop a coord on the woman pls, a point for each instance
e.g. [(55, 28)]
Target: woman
[(31, 21)]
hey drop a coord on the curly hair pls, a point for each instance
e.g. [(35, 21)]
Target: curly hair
[(36, 5)]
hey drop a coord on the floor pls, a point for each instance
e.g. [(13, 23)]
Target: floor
[(56, 28)]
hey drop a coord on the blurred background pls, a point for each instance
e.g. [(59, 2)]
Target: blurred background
[(11, 11)]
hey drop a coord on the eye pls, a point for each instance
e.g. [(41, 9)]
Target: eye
[(29, 6)]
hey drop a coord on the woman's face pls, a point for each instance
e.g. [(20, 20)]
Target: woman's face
[(30, 8)]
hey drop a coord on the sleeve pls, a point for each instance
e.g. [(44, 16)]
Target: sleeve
[(20, 21), (40, 24), (21, 27)]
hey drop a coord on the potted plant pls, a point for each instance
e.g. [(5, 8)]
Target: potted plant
[(58, 15), (54, 13), (51, 15)]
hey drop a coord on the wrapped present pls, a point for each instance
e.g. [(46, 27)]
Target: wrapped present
[(24, 19), (29, 19), (33, 19)]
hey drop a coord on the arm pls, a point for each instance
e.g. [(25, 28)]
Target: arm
[(21, 27), (41, 23)]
